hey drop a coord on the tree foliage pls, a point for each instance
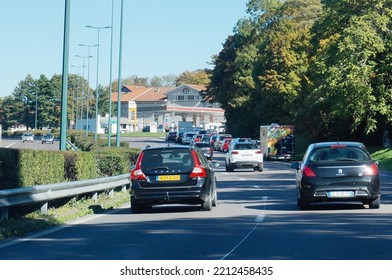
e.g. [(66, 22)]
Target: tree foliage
[(324, 66)]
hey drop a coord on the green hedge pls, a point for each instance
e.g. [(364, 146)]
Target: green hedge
[(22, 168)]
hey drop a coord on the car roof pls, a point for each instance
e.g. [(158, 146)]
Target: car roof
[(335, 143), (168, 147)]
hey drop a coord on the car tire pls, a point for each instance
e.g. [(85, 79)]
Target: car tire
[(375, 204), (136, 206), (302, 204), (207, 204), (215, 197)]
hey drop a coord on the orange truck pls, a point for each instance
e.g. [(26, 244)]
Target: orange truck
[(277, 142)]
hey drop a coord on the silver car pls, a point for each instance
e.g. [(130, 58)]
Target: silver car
[(28, 137)]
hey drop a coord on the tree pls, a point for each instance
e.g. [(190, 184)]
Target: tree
[(350, 58), (197, 77)]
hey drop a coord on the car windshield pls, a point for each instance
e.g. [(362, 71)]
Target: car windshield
[(339, 154), (166, 159)]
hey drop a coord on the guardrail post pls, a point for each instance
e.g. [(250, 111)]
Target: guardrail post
[(4, 213), (95, 196), (44, 208), (124, 188), (111, 193)]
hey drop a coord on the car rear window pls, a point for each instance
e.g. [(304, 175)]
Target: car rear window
[(178, 159), (339, 154), (245, 146), (202, 145)]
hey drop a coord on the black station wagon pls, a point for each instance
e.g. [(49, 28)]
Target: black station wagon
[(175, 174)]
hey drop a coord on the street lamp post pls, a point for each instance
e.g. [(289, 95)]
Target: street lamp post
[(88, 82), (96, 91), (88, 86), (76, 110), (119, 75), (110, 80), (36, 107)]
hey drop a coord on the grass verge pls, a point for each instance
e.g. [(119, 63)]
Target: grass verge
[(22, 225)]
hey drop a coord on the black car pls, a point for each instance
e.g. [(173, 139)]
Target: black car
[(337, 171), (171, 135), (173, 175)]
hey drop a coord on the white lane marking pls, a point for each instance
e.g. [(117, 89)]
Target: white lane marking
[(259, 219), (13, 143)]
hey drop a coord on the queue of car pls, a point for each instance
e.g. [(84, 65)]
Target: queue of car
[(328, 172)]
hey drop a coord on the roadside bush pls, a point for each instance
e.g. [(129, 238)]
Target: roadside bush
[(21, 168)]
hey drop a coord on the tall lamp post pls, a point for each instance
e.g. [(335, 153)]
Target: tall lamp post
[(96, 91), (36, 107), (76, 111), (119, 75), (88, 87), (110, 80), (88, 80)]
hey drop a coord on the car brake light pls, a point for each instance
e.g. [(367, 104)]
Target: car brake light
[(198, 170), (258, 152), (371, 170), (308, 172), (137, 173), (234, 153)]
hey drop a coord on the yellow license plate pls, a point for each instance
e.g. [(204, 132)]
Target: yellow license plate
[(168, 178)]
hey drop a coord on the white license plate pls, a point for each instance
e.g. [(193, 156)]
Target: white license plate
[(333, 194)]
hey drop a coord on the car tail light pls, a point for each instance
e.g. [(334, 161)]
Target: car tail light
[(371, 170), (258, 152), (198, 170), (234, 152), (308, 172), (137, 173)]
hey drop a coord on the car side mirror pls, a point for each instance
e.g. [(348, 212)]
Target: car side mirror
[(214, 164), (295, 165)]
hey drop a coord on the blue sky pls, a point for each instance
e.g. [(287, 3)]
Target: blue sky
[(160, 37)]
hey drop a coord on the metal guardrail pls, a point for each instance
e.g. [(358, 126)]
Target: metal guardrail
[(46, 193)]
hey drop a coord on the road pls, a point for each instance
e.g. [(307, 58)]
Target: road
[(256, 219)]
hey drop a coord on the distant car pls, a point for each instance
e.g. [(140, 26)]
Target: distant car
[(146, 128), (337, 171), (188, 137), (244, 155), (171, 135), (173, 175), (179, 137), (27, 137), (205, 148), (225, 144), (219, 139), (48, 138)]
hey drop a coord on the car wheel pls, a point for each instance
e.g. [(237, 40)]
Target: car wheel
[(231, 169), (136, 206), (215, 197), (375, 204), (207, 204), (302, 204)]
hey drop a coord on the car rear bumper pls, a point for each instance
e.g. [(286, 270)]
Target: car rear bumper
[(169, 196), (360, 191), (246, 164)]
